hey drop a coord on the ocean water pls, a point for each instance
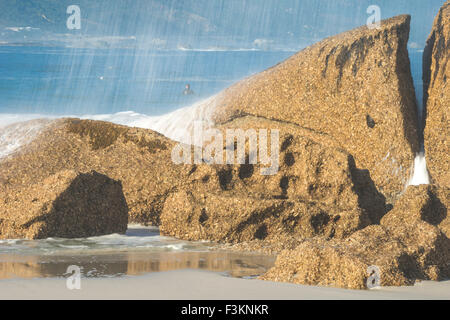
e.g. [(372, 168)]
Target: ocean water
[(66, 81)]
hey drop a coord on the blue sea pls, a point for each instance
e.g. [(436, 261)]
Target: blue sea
[(68, 81), (65, 81)]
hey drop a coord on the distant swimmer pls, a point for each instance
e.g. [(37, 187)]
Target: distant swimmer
[(187, 90)]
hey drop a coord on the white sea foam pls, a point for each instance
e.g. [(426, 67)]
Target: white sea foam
[(18, 29), (177, 125), (217, 49), (136, 238), (15, 135), (7, 119), (420, 174)]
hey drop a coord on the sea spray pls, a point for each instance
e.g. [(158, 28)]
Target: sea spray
[(177, 125), (16, 135), (420, 173), (16, 129)]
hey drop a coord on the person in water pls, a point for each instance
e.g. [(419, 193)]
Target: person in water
[(187, 90)]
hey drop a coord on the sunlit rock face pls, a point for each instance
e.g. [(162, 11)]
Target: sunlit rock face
[(316, 191), (139, 158), (437, 98), (409, 245), (355, 87), (67, 204)]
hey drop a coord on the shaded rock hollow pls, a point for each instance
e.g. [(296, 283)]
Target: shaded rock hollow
[(67, 204)]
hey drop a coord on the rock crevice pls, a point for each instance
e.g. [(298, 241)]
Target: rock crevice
[(436, 70)]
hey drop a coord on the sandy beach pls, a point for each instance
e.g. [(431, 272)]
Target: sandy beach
[(204, 285)]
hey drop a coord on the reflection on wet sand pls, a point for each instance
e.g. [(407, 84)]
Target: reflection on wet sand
[(236, 265), (112, 265), (30, 269)]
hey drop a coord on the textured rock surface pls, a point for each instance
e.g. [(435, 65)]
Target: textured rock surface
[(68, 205), (425, 202), (443, 194), (406, 247), (238, 219), (437, 99), (139, 158), (317, 191), (355, 87)]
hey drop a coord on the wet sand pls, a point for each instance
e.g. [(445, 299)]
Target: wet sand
[(141, 250), (110, 265), (144, 265), (198, 284)]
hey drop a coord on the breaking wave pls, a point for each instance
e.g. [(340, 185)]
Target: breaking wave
[(16, 129)]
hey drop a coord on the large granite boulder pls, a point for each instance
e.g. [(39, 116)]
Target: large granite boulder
[(139, 158), (355, 87), (316, 191), (67, 204), (436, 71), (406, 247)]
